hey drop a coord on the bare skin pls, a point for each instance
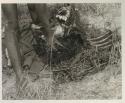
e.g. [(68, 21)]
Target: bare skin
[(10, 12), (36, 12)]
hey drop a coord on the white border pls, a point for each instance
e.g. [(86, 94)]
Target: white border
[(73, 101), (61, 1)]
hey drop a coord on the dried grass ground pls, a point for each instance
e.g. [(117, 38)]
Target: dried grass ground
[(106, 84)]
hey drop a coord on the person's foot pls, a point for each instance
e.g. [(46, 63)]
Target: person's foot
[(33, 77)]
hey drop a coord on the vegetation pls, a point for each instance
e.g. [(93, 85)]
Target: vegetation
[(103, 82)]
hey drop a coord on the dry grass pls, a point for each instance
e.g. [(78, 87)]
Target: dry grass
[(106, 84)]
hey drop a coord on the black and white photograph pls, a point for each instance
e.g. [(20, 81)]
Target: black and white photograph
[(61, 51)]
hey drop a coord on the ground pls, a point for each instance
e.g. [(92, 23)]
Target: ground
[(106, 84)]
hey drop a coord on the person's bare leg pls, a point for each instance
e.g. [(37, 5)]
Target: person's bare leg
[(10, 11), (40, 14)]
